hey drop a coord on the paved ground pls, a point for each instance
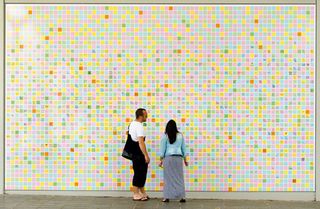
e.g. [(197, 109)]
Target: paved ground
[(78, 202)]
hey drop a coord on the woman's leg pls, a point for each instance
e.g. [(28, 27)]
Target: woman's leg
[(174, 187)]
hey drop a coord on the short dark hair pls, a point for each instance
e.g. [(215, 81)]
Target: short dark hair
[(139, 112)]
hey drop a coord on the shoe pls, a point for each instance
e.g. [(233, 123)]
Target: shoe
[(140, 199), (183, 200), (165, 200), (145, 196)]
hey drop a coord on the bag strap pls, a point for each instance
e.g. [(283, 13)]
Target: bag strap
[(129, 128)]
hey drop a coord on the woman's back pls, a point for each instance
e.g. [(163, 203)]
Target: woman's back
[(176, 148)]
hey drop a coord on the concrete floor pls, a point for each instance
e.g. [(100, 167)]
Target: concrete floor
[(57, 202)]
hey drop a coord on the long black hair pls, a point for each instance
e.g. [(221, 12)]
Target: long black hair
[(171, 131)]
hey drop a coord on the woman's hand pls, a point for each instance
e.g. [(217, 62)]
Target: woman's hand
[(161, 163), (186, 163)]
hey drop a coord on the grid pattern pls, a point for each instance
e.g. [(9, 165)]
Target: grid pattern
[(238, 80)]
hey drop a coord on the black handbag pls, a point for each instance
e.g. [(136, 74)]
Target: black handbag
[(131, 150), (128, 148)]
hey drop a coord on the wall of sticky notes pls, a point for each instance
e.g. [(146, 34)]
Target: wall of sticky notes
[(238, 79)]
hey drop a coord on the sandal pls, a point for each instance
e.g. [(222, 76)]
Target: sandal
[(144, 199), (137, 198), (141, 199), (146, 196)]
